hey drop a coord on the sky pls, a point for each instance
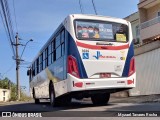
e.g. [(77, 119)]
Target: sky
[(37, 20)]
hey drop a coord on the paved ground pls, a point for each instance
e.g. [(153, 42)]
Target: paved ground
[(78, 108)]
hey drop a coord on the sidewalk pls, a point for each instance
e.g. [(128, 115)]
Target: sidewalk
[(136, 99), (11, 102)]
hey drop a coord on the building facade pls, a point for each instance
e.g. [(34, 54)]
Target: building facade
[(147, 53), (4, 95), (149, 12), (135, 23)]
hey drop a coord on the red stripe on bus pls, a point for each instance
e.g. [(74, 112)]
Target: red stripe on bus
[(84, 45)]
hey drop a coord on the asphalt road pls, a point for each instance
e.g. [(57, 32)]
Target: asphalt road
[(80, 108)]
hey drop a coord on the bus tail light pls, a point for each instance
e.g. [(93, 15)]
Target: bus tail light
[(72, 66), (78, 84), (132, 67), (130, 82)]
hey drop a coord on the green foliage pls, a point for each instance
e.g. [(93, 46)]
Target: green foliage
[(7, 84), (4, 83), (24, 97), (13, 92)]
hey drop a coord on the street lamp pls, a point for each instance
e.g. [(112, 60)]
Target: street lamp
[(25, 47)]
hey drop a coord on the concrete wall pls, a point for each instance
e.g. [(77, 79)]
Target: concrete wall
[(153, 12), (147, 58), (148, 9), (150, 32), (147, 69), (4, 95), (143, 15)]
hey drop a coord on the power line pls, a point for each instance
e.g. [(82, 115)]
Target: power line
[(80, 5), (15, 15), (6, 18), (4, 26), (9, 19), (94, 7), (9, 69)]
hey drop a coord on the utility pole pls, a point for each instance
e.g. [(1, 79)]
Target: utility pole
[(17, 67)]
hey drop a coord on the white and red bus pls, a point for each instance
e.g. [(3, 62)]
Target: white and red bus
[(87, 56)]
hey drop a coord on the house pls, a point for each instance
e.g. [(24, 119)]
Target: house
[(149, 12), (4, 95), (146, 28), (135, 23)]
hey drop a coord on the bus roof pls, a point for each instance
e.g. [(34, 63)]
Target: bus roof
[(100, 17), (80, 16)]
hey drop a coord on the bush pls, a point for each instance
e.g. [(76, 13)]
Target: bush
[(7, 84)]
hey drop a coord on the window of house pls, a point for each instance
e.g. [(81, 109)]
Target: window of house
[(137, 31), (4, 93)]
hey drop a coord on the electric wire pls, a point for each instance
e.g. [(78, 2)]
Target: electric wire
[(80, 5), (94, 7), (5, 10), (9, 69), (15, 15)]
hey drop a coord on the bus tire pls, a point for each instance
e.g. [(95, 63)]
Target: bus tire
[(52, 95), (100, 99), (36, 101)]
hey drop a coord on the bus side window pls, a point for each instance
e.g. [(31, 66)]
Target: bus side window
[(62, 42), (43, 60), (62, 36), (57, 40), (33, 70), (49, 54), (40, 63), (58, 52), (37, 64), (46, 57)]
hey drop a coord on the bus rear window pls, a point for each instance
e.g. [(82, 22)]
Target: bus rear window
[(98, 30)]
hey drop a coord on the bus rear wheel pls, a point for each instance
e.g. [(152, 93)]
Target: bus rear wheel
[(100, 99), (53, 100), (36, 101)]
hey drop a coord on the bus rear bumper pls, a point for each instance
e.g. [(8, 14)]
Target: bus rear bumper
[(76, 84)]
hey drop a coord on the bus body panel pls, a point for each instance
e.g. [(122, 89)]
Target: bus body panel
[(89, 69), (100, 84)]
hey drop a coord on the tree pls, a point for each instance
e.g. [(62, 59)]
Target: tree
[(4, 83), (7, 84)]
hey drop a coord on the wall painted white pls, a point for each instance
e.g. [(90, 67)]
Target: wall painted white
[(4, 95)]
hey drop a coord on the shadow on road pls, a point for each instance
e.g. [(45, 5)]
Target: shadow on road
[(45, 107)]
